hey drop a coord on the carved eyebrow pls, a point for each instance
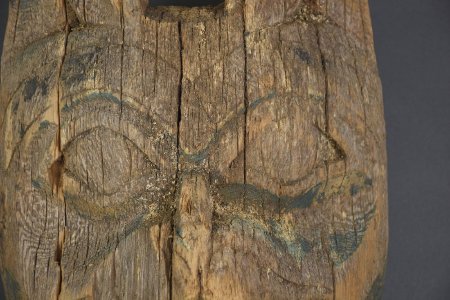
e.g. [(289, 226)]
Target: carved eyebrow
[(90, 96), (147, 125), (96, 41), (79, 98), (229, 121)]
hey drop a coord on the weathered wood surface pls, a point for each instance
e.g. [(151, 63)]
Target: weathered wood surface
[(235, 152)]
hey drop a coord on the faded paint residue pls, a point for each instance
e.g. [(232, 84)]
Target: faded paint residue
[(256, 102), (348, 185), (303, 55), (91, 97), (376, 291), (12, 287), (36, 184), (32, 86), (272, 215), (44, 125), (304, 200)]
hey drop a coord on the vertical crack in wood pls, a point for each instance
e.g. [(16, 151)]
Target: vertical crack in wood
[(160, 224), (156, 58), (87, 248), (180, 90), (159, 262), (59, 163), (325, 75), (177, 175), (58, 258), (200, 283), (122, 49), (244, 40), (326, 129)]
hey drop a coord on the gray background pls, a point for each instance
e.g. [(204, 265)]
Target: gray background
[(412, 39)]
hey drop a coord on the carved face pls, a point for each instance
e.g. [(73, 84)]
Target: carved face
[(226, 153)]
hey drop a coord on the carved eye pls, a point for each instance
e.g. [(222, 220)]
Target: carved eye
[(107, 176), (106, 162), (338, 208)]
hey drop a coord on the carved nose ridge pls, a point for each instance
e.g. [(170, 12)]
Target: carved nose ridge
[(192, 241)]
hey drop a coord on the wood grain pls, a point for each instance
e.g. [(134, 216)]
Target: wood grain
[(229, 152)]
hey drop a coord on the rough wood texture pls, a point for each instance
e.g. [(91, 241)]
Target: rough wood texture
[(235, 152)]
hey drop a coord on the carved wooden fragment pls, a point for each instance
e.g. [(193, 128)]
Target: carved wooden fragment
[(235, 152)]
